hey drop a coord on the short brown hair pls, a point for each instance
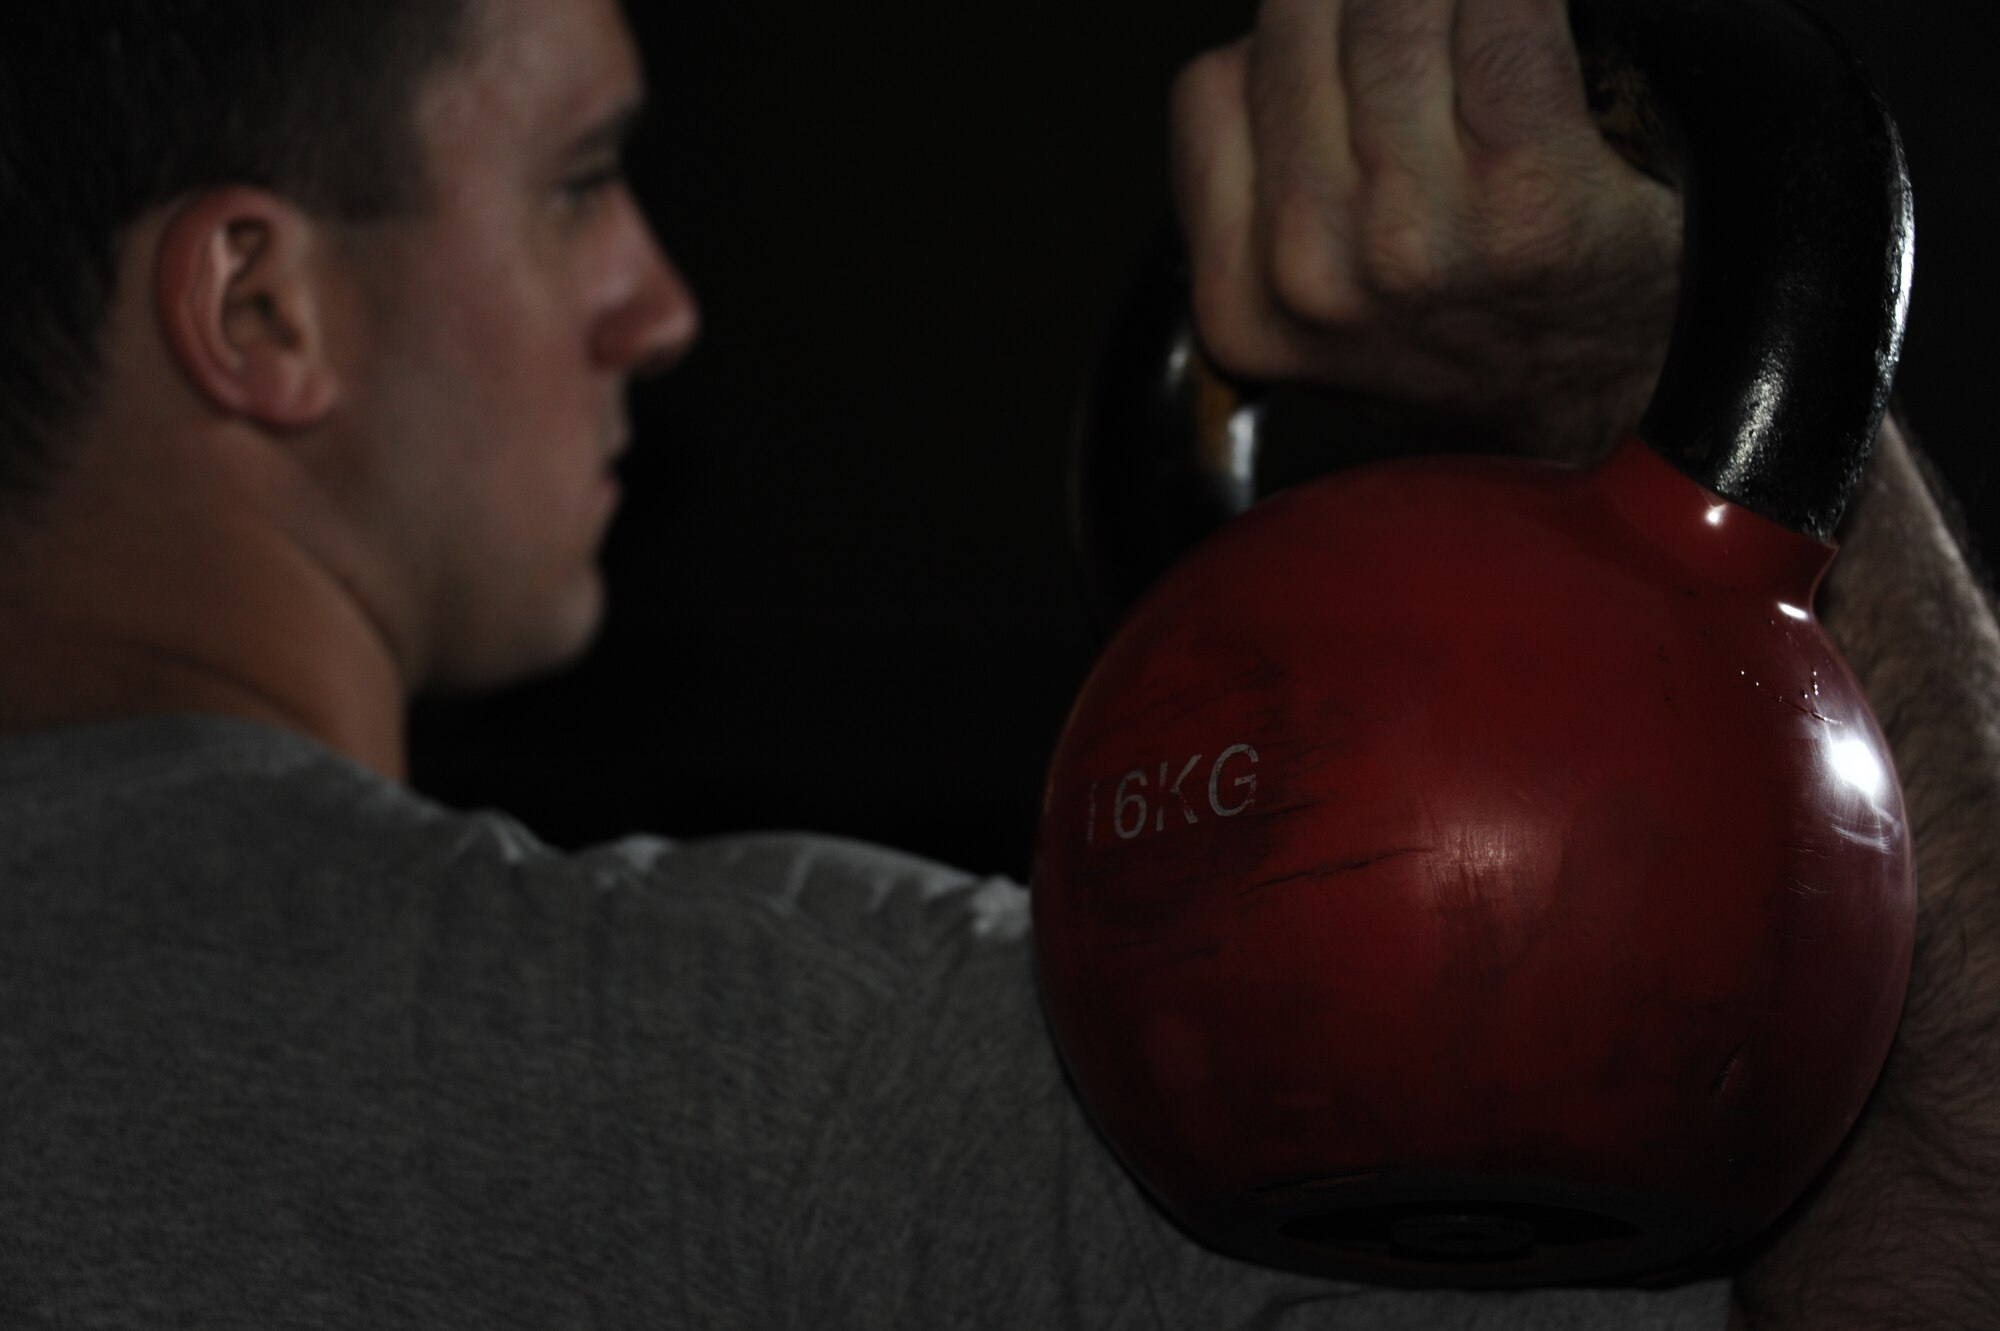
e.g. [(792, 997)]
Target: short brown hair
[(110, 108)]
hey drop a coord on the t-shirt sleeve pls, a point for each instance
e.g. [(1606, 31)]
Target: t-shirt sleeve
[(857, 1118)]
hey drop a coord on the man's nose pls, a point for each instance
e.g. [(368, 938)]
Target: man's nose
[(657, 322)]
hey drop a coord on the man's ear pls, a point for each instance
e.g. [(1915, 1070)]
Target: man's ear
[(238, 286)]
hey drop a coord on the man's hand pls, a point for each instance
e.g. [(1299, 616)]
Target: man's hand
[(1409, 198)]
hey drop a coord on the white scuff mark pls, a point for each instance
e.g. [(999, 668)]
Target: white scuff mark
[(516, 844), (787, 896), (642, 853), (999, 910), (1878, 840)]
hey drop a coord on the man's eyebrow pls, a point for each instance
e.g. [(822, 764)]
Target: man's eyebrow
[(610, 133)]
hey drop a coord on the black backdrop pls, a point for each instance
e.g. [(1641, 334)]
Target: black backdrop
[(841, 586)]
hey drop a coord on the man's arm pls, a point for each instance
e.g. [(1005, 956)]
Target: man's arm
[(1410, 197), (1903, 1230)]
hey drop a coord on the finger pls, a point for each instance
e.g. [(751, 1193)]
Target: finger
[(1396, 65), (1215, 182), (1519, 81), (1298, 112), (1306, 172)]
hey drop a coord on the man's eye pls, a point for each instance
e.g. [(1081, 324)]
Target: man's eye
[(580, 191)]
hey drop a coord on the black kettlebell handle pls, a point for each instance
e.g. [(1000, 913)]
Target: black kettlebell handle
[(1799, 242), (1795, 285)]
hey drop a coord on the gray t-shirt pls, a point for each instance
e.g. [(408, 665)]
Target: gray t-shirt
[(283, 1045)]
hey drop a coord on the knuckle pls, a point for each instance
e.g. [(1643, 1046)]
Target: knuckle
[(1525, 219), (1513, 83), (1390, 44), (1545, 214), (1400, 264), (1401, 246), (1307, 260), (1377, 150)]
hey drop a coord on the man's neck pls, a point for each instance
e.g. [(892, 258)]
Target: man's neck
[(118, 605)]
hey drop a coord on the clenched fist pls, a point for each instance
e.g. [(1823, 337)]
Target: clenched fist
[(1410, 199)]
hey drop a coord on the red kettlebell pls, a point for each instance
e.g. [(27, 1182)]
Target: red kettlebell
[(1484, 872)]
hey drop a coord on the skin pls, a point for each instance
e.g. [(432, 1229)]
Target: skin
[(1408, 196), (337, 464)]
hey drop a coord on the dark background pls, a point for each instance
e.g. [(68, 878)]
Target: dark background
[(843, 597)]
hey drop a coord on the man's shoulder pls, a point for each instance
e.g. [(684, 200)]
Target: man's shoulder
[(230, 807)]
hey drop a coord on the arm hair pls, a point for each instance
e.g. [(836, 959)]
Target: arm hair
[(1903, 1231)]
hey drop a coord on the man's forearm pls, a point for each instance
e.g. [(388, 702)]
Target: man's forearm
[(1905, 1229)]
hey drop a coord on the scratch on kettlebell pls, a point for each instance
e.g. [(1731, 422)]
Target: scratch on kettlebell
[(1728, 1069), (1334, 869)]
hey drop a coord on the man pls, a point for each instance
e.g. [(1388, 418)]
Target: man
[(308, 401)]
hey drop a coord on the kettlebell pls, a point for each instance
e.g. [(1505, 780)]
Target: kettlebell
[(1479, 871)]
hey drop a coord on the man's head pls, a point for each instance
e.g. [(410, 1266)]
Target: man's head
[(364, 269), (111, 108)]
